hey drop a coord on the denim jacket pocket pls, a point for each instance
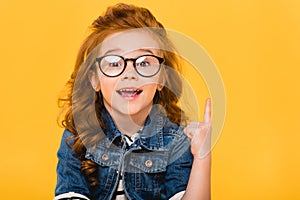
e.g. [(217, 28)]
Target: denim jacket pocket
[(150, 162), (105, 157)]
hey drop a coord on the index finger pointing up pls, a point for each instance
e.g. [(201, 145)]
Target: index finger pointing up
[(207, 112)]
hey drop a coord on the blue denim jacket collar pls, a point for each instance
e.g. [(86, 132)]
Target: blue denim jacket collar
[(151, 136), (112, 132)]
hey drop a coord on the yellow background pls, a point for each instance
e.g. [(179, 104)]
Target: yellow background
[(254, 43)]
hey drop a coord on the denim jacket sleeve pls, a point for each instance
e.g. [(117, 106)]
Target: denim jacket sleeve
[(69, 176), (179, 168)]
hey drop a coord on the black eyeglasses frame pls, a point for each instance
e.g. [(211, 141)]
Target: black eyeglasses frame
[(160, 60)]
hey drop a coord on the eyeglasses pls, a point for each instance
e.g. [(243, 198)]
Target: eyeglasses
[(115, 65)]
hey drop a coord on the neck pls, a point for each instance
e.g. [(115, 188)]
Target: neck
[(129, 124)]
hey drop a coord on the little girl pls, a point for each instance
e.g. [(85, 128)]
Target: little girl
[(123, 137)]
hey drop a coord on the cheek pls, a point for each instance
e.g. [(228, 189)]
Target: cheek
[(106, 82), (107, 86), (151, 88)]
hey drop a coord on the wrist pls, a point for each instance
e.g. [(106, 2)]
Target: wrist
[(203, 158)]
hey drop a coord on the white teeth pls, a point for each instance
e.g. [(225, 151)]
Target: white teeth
[(128, 90)]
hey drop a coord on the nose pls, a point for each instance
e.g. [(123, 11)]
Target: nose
[(130, 73)]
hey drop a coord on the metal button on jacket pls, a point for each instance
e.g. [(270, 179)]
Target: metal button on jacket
[(104, 157), (148, 163)]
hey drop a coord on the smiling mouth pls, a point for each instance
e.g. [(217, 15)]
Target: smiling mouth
[(129, 92)]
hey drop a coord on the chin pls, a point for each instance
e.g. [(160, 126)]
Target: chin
[(134, 110)]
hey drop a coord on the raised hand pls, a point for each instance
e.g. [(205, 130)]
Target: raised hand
[(199, 134)]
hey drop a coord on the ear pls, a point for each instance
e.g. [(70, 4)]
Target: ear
[(94, 80), (160, 87), (162, 80)]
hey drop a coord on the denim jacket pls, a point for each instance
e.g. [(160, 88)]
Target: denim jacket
[(155, 166)]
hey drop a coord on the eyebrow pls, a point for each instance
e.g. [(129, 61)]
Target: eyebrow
[(110, 51), (147, 50), (113, 50)]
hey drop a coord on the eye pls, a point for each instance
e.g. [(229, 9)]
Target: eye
[(144, 61), (144, 64), (114, 64), (112, 61)]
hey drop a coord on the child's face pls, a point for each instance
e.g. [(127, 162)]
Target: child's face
[(129, 93)]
